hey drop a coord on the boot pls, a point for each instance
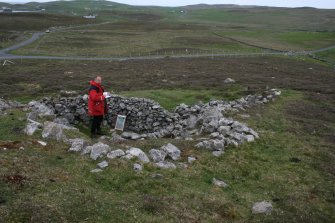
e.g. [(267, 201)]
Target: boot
[(93, 135), (100, 133)]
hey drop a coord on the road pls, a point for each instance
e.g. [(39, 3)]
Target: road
[(5, 53)]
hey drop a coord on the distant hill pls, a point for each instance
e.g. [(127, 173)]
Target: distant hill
[(219, 6)]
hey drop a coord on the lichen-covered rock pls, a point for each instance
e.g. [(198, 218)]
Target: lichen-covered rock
[(103, 164), (263, 207), (130, 135), (157, 155), (138, 167), (165, 165), (53, 130), (136, 152), (219, 183), (99, 150), (31, 127), (40, 109), (191, 159), (171, 150), (77, 144), (115, 154)]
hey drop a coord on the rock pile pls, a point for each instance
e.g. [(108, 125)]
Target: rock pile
[(6, 104)]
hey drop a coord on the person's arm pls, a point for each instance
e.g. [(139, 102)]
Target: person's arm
[(95, 97)]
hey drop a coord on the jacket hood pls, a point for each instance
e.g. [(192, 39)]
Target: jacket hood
[(95, 84)]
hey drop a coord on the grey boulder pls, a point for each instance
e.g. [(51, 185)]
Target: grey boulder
[(172, 151), (98, 150), (263, 207)]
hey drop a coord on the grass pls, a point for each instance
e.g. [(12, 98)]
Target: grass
[(133, 39), (36, 21), (10, 38), (169, 99), (301, 191), (291, 165), (145, 31), (282, 40), (328, 55), (12, 125)]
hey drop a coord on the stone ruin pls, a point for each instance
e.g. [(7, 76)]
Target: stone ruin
[(204, 123), (148, 118)]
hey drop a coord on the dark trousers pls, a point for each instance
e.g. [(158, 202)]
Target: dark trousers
[(96, 124)]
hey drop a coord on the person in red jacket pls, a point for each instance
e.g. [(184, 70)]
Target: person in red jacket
[(97, 106)]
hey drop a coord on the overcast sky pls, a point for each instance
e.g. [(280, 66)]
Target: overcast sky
[(284, 3)]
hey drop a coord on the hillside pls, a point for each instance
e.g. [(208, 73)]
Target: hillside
[(229, 114)]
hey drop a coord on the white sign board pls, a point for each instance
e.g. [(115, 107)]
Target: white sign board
[(120, 121)]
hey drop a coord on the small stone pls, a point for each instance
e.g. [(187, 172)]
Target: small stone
[(115, 154), (224, 130), (165, 165), (217, 153), (86, 150), (96, 170), (214, 135), (136, 152), (191, 159), (138, 167), (98, 150), (229, 81), (249, 138), (31, 127), (172, 151), (157, 175), (42, 143), (157, 155), (182, 165), (103, 164), (262, 207), (130, 135), (219, 183), (77, 144)]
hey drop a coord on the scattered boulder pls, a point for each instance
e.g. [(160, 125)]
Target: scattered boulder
[(31, 127), (7, 104), (229, 81), (77, 144), (157, 155), (172, 151), (136, 152), (165, 165), (98, 150), (52, 130), (103, 164), (96, 170), (191, 159), (42, 143), (263, 207), (138, 167), (217, 153), (86, 150), (130, 135), (115, 154), (219, 183), (40, 109), (182, 165)]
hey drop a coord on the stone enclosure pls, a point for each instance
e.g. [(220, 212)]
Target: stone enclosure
[(147, 116)]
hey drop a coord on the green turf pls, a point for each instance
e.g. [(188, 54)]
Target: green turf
[(300, 191), (169, 99)]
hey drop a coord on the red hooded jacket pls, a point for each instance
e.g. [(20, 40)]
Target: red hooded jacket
[(96, 100)]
